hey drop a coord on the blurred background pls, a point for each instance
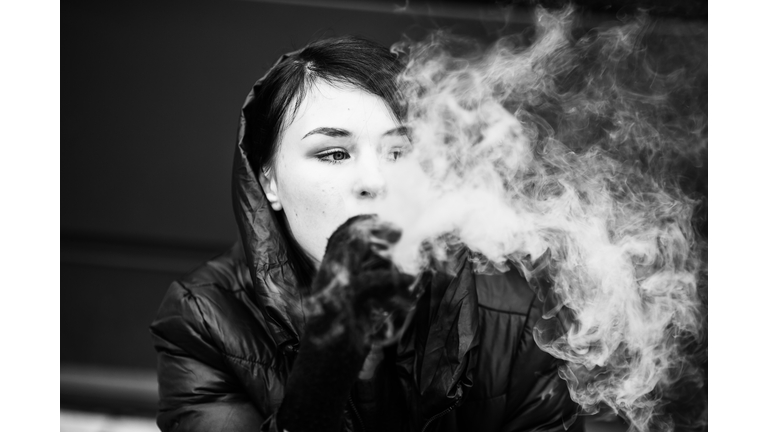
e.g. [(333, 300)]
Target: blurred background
[(153, 91)]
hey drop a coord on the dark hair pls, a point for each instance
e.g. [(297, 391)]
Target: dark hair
[(346, 60)]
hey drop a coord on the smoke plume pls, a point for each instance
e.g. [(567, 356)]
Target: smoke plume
[(579, 158)]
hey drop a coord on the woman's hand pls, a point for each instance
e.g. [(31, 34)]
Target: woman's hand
[(356, 293), (358, 283)]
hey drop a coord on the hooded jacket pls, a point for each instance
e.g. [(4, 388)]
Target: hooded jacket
[(227, 334)]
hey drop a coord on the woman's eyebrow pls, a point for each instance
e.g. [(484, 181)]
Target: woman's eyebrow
[(331, 132), (398, 131)]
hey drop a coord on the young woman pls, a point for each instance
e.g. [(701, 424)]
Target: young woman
[(279, 333)]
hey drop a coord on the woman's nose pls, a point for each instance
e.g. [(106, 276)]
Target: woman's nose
[(370, 182)]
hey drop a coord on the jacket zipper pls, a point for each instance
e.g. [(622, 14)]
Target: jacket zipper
[(440, 414), (357, 414)]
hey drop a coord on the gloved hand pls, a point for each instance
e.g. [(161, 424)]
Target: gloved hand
[(358, 289), (355, 290)]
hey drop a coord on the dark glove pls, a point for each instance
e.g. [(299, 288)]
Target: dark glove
[(356, 287), (357, 281)]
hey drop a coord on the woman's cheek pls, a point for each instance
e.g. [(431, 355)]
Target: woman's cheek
[(313, 200), (317, 211)]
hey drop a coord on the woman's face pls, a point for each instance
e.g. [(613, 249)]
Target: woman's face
[(331, 161)]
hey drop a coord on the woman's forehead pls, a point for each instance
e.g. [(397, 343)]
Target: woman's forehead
[(341, 106)]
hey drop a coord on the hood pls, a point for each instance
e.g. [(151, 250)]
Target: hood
[(274, 284)]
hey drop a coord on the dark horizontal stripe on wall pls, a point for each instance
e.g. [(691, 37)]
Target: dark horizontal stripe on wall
[(168, 256), (457, 10), (113, 390), (515, 12)]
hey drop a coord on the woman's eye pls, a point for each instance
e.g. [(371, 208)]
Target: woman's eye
[(397, 153), (334, 156)]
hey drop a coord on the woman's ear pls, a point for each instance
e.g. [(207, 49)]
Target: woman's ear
[(269, 186)]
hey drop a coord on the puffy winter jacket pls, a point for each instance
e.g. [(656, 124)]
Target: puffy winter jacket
[(227, 334)]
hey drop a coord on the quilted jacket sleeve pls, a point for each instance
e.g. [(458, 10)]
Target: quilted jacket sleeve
[(197, 389)]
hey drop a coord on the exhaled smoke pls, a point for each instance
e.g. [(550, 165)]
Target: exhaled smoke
[(558, 156)]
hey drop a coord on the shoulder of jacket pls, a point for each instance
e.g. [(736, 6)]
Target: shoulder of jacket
[(227, 271), (209, 310)]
